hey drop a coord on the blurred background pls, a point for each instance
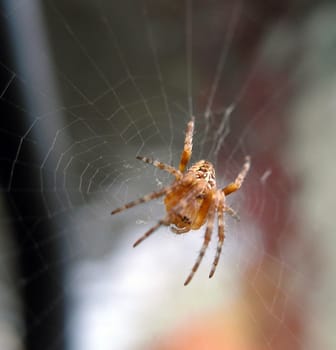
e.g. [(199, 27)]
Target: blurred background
[(85, 87)]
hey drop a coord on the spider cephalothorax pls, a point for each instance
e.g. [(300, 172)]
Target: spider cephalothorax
[(192, 200), (204, 170)]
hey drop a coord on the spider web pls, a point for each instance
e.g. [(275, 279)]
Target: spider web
[(101, 82)]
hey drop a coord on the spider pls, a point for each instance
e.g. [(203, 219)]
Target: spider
[(192, 200)]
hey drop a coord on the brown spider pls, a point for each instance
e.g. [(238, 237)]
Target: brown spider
[(192, 199)]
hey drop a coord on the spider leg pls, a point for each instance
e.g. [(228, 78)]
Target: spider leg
[(234, 186), (232, 212), (178, 231), (207, 237), (187, 150), (150, 231), (170, 169), (146, 198), (221, 232)]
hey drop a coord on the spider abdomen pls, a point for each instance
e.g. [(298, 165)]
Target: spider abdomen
[(188, 203)]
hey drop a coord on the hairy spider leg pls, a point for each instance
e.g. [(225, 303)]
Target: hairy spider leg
[(207, 238), (179, 231), (221, 232), (232, 212), (170, 169), (150, 231), (187, 149), (234, 186), (144, 199)]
